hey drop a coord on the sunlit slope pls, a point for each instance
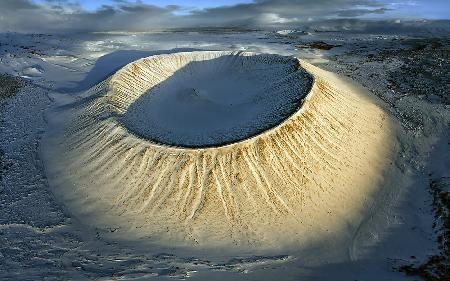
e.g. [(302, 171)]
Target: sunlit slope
[(308, 176)]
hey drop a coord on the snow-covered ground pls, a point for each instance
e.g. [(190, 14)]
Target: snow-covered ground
[(39, 238)]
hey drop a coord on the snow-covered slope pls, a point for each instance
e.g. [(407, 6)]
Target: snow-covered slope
[(296, 181)]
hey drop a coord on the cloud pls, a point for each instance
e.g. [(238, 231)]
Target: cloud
[(65, 16), (389, 26), (288, 11), (125, 15), (361, 12), (8, 5)]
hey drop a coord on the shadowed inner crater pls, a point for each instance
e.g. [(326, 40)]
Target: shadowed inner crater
[(219, 101)]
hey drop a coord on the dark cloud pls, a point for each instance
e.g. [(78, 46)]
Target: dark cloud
[(275, 13), (11, 5), (68, 16)]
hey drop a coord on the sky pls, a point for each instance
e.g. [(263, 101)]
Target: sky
[(145, 15), (199, 4), (431, 9)]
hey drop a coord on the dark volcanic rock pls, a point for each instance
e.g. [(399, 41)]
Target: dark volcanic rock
[(318, 45)]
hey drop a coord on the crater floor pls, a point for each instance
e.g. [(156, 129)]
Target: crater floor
[(218, 100)]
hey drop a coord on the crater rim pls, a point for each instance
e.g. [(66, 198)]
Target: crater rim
[(119, 113)]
